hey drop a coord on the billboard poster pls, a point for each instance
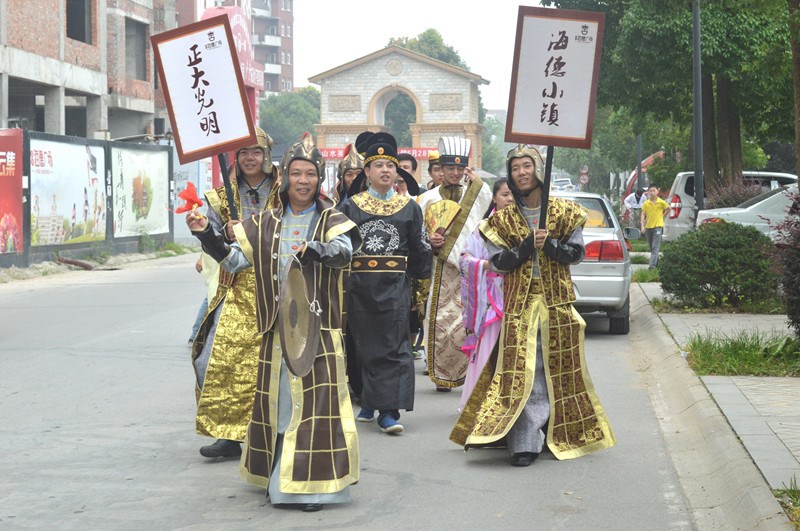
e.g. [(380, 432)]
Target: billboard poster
[(140, 190), (11, 191), (198, 173), (68, 202)]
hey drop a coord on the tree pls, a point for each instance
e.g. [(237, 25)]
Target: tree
[(745, 64), (431, 43), (287, 115), (494, 156), (794, 32), (400, 112), (613, 147)]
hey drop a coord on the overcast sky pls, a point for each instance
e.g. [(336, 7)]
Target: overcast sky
[(329, 33)]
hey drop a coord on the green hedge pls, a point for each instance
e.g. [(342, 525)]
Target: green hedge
[(720, 264)]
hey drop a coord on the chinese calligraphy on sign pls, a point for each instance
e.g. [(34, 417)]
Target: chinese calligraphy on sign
[(209, 122), (554, 82), (421, 153), (201, 77)]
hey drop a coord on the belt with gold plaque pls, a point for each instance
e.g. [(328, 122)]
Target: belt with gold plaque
[(378, 264)]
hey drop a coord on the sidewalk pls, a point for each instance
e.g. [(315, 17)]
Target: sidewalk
[(763, 411)]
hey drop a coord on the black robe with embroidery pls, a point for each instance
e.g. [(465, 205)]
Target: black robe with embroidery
[(377, 298)]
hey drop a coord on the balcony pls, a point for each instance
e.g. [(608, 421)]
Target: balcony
[(272, 68), (262, 13), (266, 40)]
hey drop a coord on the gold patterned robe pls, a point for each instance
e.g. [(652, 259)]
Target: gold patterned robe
[(225, 400), (319, 451), (578, 424), (444, 331)]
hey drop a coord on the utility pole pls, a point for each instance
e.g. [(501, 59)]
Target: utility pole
[(699, 184), (639, 176)]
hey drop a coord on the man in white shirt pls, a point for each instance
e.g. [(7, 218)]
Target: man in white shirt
[(633, 207)]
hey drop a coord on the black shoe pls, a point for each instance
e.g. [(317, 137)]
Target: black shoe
[(222, 448), (523, 458), (311, 507)]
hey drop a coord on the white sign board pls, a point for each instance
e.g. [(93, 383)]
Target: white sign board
[(201, 78), (554, 80)]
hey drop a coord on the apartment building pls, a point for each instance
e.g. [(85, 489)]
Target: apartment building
[(272, 35), (81, 67)]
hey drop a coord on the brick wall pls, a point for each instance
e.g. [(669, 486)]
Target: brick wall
[(118, 81), (34, 26)]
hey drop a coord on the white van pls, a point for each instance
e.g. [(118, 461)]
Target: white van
[(684, 208)]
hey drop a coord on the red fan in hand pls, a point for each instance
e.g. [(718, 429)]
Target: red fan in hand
[(190, 196)]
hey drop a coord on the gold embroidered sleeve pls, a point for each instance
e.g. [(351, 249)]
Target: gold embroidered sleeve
[(243, 241)]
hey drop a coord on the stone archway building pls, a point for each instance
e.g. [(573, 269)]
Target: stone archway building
[(354, 98)]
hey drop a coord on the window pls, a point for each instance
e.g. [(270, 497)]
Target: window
[(79, 20), (283, 30), (135, 49), (288, 5), (283, 58), (289, 85), (273, 30), (288, 30), (288, 58), (268, 86)]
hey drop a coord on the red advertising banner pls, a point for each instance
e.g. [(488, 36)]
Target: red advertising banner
[(420, 153), (11, 191)]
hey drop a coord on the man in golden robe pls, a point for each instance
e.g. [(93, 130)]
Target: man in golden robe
[(225, 349), (444, 333), (537, 378), (302, 444)]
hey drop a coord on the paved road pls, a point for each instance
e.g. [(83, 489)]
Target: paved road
[(96, 419)]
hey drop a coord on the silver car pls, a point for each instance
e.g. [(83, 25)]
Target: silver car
[(603, 279)]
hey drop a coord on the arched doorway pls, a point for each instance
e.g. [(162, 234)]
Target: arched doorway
[(365, 95), (395, 108)]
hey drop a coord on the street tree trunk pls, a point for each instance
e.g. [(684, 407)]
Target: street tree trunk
[(794, 32), (710, 163), (729, 133)]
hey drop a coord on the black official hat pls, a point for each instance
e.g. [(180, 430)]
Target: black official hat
[(382, 146)]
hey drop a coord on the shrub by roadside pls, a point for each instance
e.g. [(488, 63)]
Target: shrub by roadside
[(788, 252), (720, 264)]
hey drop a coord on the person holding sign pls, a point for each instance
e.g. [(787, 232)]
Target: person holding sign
[(537, 380), (448, 230), (302, 444), (225, 349), (395, 249)]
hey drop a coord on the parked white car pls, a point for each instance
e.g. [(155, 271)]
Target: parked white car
[(762, 212), (681, 218), (562, 184)]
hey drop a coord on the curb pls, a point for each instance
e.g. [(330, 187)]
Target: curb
[(723, 487)]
